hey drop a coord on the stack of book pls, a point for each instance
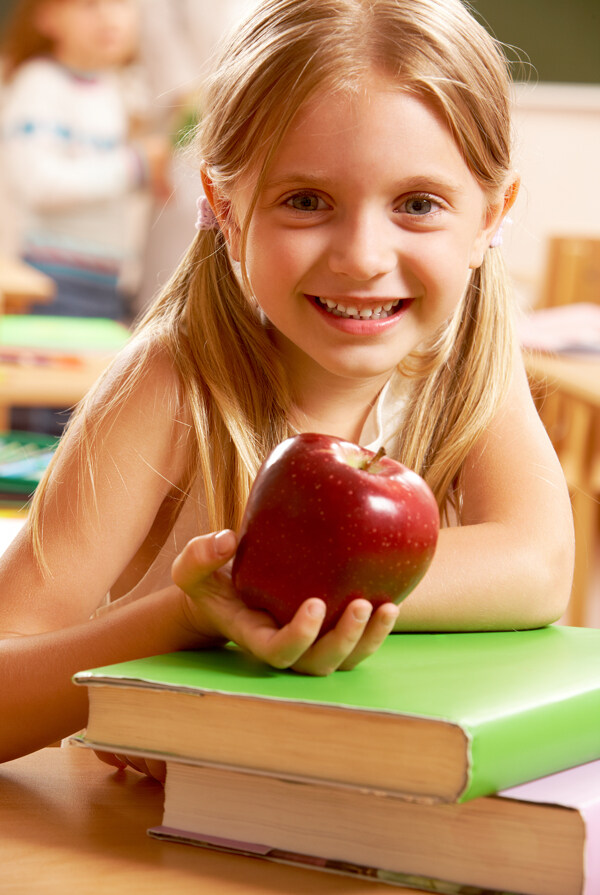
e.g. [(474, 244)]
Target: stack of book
[(454, 763), (58, 341), (24, 458)]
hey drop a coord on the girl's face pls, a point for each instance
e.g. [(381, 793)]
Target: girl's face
[(363, 238), (90, 35)]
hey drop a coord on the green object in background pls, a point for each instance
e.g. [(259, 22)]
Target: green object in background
[(556, 41), (76, 335), (528, 702), (24, 458)]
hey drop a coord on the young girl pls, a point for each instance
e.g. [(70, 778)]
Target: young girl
[(344, 279)]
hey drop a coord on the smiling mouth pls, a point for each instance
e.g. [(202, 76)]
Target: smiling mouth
[(354, 312)]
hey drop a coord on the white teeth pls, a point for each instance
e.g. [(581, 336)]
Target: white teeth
[(340, 310)]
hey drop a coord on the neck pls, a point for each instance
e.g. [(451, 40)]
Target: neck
[(78, 64), (341, 408)]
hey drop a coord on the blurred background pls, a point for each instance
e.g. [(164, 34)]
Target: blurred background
[(552, 246), (557, 125)]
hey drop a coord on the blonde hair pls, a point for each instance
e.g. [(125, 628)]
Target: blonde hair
[(232, 379)]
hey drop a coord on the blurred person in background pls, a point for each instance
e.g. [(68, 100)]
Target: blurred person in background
[(70, 162), (71, 166)]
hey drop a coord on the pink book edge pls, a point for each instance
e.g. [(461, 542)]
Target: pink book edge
[(577, 788)]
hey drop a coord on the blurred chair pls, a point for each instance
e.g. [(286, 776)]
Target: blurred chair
[(573, 425), (572, 271), (567, 393)]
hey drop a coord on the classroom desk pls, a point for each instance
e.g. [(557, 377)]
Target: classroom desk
[(30, 385), (21, 286), (579, 376), (69, 823)]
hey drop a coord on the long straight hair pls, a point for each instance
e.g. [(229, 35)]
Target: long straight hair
[(231, 378)]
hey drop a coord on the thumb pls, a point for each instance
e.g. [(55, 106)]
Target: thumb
[(201, 556)]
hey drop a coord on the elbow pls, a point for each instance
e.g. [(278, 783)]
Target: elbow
[(549, 573)]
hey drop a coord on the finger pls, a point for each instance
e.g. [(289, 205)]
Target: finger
[(201, 556), (137, 763), (150, 767), (380, 626), (156, 769), (115, 761), (333, 648), (282, 647)]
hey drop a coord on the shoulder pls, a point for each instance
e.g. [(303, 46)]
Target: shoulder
[(41, 73), (38, 88), (142, 382), (133, 425)]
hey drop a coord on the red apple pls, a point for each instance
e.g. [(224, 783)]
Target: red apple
[(327, 518)]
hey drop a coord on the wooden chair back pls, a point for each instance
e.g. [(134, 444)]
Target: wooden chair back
[(572, 271)]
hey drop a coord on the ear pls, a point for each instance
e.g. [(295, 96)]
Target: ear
[(495, 215), (223, 212)]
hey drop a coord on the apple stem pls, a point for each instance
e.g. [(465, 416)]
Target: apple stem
[(368, 463)]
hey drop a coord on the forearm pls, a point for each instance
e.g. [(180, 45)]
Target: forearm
[(38, 702), (487, 577)]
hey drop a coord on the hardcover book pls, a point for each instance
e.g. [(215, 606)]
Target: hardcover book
[(450, 717), (539, 838)]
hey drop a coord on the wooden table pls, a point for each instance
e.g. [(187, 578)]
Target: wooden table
[(579, 376), (25, 385), (69, 823), (567, 388), (21, 286)]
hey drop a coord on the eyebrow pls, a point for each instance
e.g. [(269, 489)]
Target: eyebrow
[(416, 182)]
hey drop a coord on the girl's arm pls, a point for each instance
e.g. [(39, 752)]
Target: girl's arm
[(39, 704), (89, 536), (510, 564)]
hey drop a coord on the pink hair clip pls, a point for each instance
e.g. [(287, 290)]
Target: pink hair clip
[(206, 219)]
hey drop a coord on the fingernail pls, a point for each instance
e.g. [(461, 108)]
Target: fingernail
[(316, 609), (225, 542), (362, 613), (389, 617)]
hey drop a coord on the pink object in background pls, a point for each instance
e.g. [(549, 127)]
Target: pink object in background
[(565, 329)]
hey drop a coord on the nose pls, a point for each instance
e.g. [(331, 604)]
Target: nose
[(361, 247)]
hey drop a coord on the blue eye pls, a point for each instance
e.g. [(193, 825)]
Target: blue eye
[(305, 202), (419, 205)]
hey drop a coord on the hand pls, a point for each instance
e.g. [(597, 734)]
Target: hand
[(157, 153), (151, 767), (203, 573)]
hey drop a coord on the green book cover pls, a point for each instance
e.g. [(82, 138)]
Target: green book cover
[(528, 702)]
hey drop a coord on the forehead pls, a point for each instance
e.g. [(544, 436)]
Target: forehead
[(375, 128)]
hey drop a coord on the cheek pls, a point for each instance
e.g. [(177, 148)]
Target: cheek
[(275, 258), (443, 272)]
